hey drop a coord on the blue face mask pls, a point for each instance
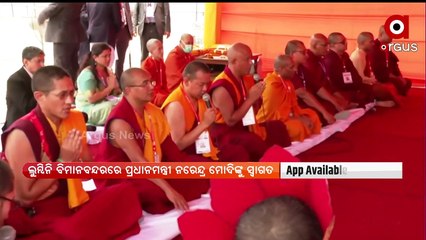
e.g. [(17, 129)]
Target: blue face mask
[(187, 48)]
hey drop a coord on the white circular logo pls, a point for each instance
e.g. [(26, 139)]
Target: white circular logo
[(384, 47), (396, 27)]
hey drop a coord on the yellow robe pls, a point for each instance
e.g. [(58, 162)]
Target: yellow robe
[(189, 117), (280, 103), (76, 193), (154, 125)]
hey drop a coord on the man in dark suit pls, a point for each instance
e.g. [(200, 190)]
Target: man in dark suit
[(19, 95), (104, 22), (66, 32), (123, 38), (84, 45), (152, 20)]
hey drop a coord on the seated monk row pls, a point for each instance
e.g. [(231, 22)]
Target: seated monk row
[(346, 78), (60, 208)]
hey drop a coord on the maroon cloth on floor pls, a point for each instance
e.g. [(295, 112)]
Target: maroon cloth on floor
[(380, 208), (210, 226), (249, 146), (232, 197), (116, 206)]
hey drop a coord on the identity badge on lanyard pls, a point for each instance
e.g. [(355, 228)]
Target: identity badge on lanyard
[(347, 76), (154, 144), (249, 118), (202, 143)]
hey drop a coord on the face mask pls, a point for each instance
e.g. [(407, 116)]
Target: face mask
[(187, 48)]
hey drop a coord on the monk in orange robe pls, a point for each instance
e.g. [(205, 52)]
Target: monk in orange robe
[(52, 132), (154, 64), (280, 102), (137, 131), (177, 60), (190, 114)]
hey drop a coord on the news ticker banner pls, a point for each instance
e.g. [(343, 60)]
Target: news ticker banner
[(194, 170)]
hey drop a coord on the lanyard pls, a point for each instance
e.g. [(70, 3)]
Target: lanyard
[(161, 71), (302, 76), (287, 87), (192, 106), (152, 135), (344, 65), (387, 58), (244, 89), (324, 70)]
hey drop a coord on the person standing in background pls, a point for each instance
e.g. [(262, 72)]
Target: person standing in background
[(123, 37), (66, 32), (152, 20)]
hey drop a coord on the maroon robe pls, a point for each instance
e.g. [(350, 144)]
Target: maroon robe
[(116, 206), (384, 62), (315, 79), (230, 198), (356, 91), (152, 197)]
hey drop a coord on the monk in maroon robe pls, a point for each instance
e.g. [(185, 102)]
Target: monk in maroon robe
[(384, 64), (137, 131), (297, 50), (343, 75), (48, 134), (316, 78)]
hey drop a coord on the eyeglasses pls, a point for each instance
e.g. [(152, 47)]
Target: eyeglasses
[(301, 51), (145, 83)]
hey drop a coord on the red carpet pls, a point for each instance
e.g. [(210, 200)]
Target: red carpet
[(380, 209)]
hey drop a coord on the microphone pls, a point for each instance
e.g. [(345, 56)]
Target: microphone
[(257, 78), (206, 98)]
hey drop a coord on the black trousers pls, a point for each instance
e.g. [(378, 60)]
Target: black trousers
[(122, 44), (66, 56), (149, 31)]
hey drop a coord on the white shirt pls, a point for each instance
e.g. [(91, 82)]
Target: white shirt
[(29, 73)]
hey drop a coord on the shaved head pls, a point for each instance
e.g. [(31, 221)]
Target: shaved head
[(318, 38), (335, 37), (239, 59), (364, 36), (319, 44), (383, 36), (128, 76), (152, 43), (282, 61), (187, 37), (236, 50), (292, 46)]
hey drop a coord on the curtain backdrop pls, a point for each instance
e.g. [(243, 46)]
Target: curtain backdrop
[(267, 27)]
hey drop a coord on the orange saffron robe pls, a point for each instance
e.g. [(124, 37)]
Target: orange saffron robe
[(190, 119), (280, 103)]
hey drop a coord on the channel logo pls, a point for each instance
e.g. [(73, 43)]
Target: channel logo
[(396, 27)]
